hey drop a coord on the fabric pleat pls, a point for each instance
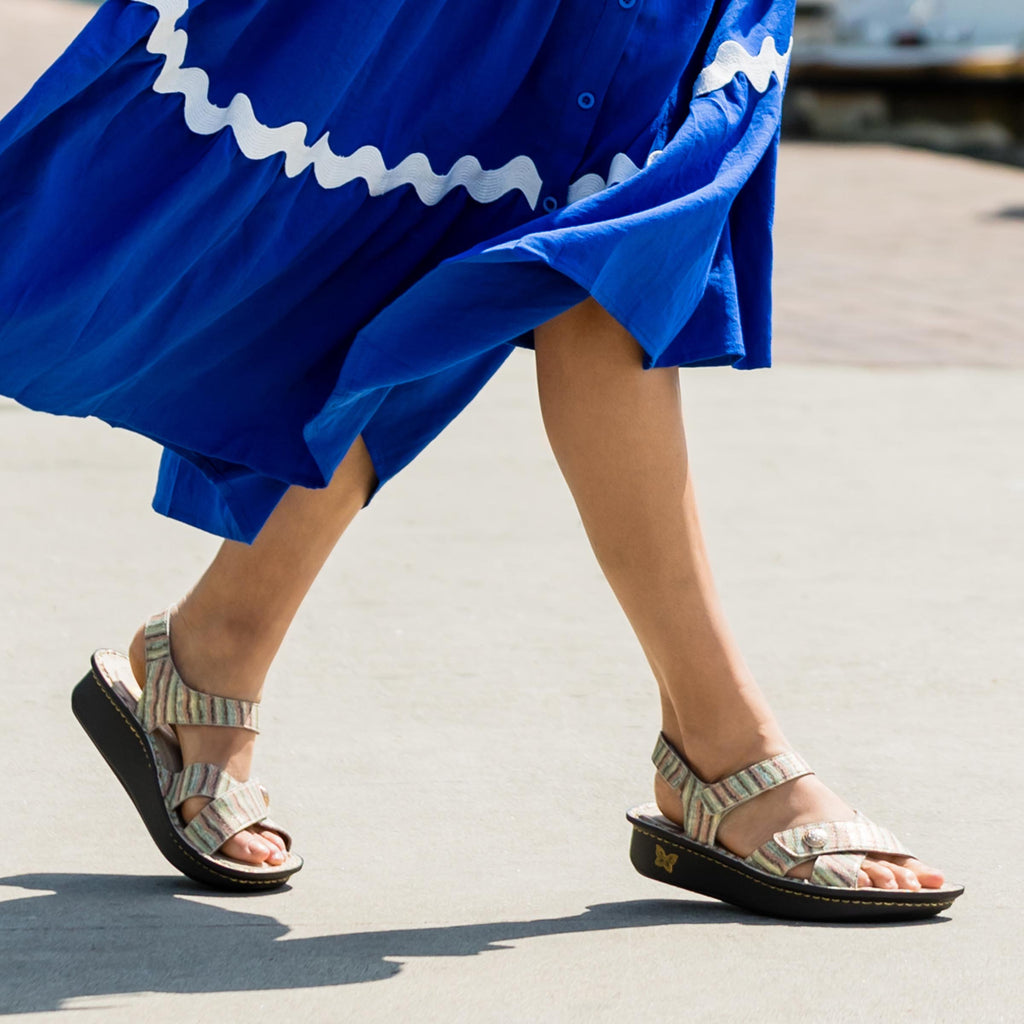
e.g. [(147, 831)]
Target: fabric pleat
[(254, 231)]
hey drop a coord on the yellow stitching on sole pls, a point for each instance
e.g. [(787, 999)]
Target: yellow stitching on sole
[(778, 888), (119, 708)]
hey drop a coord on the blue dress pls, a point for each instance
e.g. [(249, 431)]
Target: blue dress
[(253, 230)]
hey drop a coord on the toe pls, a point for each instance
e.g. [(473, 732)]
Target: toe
[(905, 877), (272, 839), (247, 847), (928, 878), (278, 851), (879, 876)]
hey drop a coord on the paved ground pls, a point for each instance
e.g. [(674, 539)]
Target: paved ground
[(460, 715)]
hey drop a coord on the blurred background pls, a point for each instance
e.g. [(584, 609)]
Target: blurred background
[(946, 74)]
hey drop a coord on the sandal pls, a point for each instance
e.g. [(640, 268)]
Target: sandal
[(131, 728), (688, 857)]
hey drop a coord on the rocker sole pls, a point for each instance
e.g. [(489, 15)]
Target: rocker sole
[(126, 749), (669, 856)]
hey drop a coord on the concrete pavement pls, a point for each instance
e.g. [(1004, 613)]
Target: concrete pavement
[(460, 715)]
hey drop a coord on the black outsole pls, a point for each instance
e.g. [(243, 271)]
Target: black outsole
[(126, 749), (673, 858)]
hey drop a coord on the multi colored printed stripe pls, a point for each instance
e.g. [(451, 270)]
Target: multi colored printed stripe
[(676, 772), (209, 780), (837, 848), (798, 845), (705, 804), (168, 700), (749, 782), (226, 815), (838, 870)]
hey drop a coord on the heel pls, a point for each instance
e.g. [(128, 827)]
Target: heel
[(119, 740), (653, 859)]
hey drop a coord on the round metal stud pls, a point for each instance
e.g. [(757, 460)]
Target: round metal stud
[(815, 838)]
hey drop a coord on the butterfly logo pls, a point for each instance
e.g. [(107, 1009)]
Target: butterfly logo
[(665, 860)]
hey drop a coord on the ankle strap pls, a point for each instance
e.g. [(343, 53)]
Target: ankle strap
[(168, 700), (706, 803)]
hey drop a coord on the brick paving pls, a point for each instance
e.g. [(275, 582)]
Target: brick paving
[(887, 256)]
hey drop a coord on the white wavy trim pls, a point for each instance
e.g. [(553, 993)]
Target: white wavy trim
[(622, 169), (258, 141), (733, 59)]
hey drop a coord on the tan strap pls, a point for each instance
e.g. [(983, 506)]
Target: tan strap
[(168, 700), (272, 826), (750, 782), (208, 780), (704, 804), (827, 842), (212, 781), (838, 870), (227, 815)]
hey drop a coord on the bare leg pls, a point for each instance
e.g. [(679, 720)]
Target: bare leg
[(617, 433), (227, 629)]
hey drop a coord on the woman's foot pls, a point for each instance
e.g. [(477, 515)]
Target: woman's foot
[(216, 665), (799, 802)]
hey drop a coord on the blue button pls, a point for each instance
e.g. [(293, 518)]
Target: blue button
[(626, 4), (586, 100), (550, 204)]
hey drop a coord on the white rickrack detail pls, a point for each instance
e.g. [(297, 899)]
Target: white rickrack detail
[(622, 169), (734, 59), (258, 141), (731, 60)]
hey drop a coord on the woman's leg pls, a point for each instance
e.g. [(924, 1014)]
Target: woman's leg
[(227, 629), (617, 433)]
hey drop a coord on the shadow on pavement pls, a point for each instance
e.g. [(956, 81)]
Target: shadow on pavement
[(94, 935), (1009, 213)]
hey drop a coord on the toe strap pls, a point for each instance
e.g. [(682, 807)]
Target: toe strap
[(838, 870), (838, 849), (234, 805), (272, 826), (226, 815), (199, 779)]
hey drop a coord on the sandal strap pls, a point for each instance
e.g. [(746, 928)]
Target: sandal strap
[(272, 826), (168, 700), (821, 841), (208, 780), (212, 781), (838, 870), (227, 815), (704, 804)]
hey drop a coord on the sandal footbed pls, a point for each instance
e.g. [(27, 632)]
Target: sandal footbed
[(104, 710), (663, 852)]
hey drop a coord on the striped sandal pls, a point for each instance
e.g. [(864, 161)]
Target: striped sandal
[(131, 728), (688, 857)]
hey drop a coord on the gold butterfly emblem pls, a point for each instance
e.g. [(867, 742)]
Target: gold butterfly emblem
[(665, 860)]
